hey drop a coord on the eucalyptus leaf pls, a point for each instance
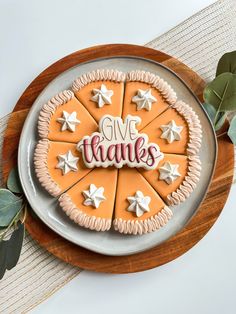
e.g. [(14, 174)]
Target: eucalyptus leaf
[(10, 250), (211, 111), (3, 258), (220, 120), (232, 130), (10, 205), (14, 245), (221, 92), (13, 181), (227, 63)]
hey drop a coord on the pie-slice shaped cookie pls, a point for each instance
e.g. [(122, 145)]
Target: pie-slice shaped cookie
[(138, 208), (101, 92), (58, 165), (175, 177), (146, 96), (90, 202), (177, 130), (64, 118)]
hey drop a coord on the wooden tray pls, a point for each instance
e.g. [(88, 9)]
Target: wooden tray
[(206, 215)]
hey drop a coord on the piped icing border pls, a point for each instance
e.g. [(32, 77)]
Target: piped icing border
[(143, 226), (48, 110), (81, 218), (194, 126), (155, 81), (98, 75), (41, 168), (189, 183)]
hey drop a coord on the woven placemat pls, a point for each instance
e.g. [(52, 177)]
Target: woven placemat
[(198, 42)]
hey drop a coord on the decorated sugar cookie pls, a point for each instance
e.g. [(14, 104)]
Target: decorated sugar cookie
[(101, 92), (90, 202), (65, 119), (147, 96), (139, 208), (119, 151), (58, 165)]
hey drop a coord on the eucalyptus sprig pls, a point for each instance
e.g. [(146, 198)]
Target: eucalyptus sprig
[(13, 211), (220, 94)]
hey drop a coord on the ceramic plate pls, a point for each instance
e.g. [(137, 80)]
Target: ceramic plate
[(46, 207)]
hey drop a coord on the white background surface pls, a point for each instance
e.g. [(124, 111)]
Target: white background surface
[(33, 34)]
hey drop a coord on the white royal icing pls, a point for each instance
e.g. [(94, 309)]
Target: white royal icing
[(139, 204), (171, 132), (144, 99), (68, 121), (102, 96), (67, 162), (94, 196), (169, 172), (119, 143)]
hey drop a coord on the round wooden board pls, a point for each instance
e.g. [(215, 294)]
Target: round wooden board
[(199, 225)]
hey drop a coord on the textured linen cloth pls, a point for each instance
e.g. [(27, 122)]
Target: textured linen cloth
[(198, 42)]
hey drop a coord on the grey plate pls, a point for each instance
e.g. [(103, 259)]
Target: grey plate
[(46, 207)]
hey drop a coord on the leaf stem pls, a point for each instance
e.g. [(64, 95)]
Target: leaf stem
[(14, 220), (221, 101)]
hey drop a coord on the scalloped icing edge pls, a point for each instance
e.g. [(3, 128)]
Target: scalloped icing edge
[(189, 183), (156, 82), (48, 110), (194, 126), (143, 226), (194, 164), (98, 75), (41, 168), (81, 218)]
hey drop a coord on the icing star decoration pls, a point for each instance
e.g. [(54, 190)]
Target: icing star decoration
[(169, 172), (67, 162), (94, 196), (102, 96), (68, 121), (139, 204), (171, 132), (144, 99)]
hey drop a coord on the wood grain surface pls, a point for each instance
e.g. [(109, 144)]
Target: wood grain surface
[(199, 225)]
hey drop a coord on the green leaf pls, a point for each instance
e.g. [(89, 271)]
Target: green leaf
[(10, 250), (220, 120), (10, 205), (221, 92), (13, 181), (227, 63), (3, 258), (211, 111), (232, 130), (14, 246)]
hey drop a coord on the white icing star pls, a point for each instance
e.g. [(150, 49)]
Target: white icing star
[(169, 172), (171, 132), (144, 99), (94, 196), (67, 162), (102, 96), (139, 203), (68, 121)]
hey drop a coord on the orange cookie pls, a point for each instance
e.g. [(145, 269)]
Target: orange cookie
[(58, 165), (65, 119), (146, 96), (175, 177), (101, 92), (177, 130), (90, 202), (138, 208)]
